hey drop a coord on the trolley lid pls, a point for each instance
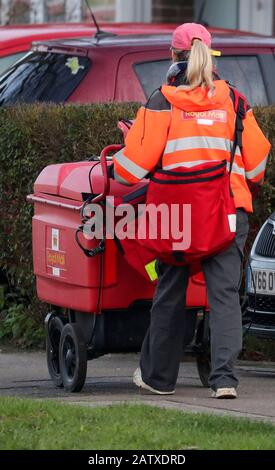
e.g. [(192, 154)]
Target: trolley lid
[(74, 180), (69, 180)]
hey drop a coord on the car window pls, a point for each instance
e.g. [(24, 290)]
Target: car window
[(244, 72), (42, 77), (7, 61), (152, 74)]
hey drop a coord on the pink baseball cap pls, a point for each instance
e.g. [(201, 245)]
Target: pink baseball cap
[(184, 35)]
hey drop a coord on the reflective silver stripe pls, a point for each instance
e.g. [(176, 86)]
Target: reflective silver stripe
[(257, 171), (129, 166), (119, 179), (236, 169), (200, 142), (187, 164)]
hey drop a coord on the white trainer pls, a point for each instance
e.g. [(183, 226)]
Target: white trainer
[(137, 379), (225, 393)]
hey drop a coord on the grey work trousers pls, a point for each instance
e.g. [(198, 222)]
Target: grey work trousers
[(163, 344)]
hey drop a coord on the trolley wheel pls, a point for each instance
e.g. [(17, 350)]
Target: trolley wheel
[(73, 358), (203, 358), (54, 327)]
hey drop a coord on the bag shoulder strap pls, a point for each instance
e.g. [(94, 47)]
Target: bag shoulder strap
[(240, 107)]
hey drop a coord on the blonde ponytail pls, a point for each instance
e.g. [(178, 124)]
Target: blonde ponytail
[(199, 69)]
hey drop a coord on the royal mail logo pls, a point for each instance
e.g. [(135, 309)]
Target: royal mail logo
[(213, 115), (56, 259)]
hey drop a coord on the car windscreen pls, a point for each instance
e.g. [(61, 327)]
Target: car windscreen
[(244, 72), (8, 60), (40, 76)]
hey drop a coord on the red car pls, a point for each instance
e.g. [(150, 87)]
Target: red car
[(15, 41), (129, 68)]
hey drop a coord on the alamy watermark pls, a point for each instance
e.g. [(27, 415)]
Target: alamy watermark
[(143, 221)]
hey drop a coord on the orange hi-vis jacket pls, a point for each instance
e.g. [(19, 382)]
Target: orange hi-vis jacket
[(179, 128)]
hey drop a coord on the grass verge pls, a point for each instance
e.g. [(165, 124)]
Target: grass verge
[(38, 425)]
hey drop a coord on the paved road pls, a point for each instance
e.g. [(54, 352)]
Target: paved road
[(109, 381)]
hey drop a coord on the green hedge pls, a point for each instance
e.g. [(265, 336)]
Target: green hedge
[(32, 137), (264, 204)]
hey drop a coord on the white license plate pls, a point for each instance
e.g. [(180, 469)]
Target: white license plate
[(264, 280)]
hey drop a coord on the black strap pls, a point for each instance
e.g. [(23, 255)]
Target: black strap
[(240, 108), (100, 248)]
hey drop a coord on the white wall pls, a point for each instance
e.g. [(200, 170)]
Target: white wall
[(219, 13), (256, 16), (248, 15), (134, 10), (73, 10), (37, 11), (5, 8)]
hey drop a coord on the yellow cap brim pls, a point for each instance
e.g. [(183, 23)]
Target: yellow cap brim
[(215, 53)]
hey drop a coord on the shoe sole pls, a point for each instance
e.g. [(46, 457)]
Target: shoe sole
[(225, 393), (226, 397), (139, 383)]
